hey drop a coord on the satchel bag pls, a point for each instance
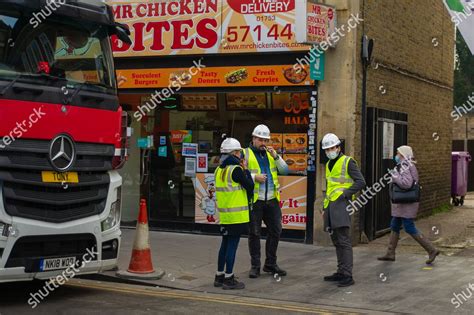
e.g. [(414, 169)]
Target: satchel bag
[(410, 195)]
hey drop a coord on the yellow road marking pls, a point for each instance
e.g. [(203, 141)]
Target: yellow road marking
[(197, 298)]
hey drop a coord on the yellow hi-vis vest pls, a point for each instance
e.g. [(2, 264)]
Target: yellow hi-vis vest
[(254, 168), (337, 180), (231, 197)]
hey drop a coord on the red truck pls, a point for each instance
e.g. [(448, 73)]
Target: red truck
[(63, 135)]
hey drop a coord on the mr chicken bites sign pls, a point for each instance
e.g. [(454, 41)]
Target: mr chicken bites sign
[(165, 26), (195, 27)]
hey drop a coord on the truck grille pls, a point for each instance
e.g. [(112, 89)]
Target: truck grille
[(28, 250), (25, 195)]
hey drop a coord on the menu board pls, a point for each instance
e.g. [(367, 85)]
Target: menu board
[(295, 142), (239, 101), (297, 163), (276, 141), (198, 102)]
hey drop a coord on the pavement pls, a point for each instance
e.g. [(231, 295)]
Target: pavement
[(404, 286)]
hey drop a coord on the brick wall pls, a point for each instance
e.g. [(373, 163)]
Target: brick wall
[(414, 46)]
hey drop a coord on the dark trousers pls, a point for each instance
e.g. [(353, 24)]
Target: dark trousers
[(270, 213), (341, 238), (227, 253)]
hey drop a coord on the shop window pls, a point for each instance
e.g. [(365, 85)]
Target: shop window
[(200, 123)]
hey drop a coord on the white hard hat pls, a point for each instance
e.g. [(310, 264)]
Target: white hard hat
[(261, 131), (229, 145), (330, 140)]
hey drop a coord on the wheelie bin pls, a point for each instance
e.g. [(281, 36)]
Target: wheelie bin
[(459, 174)]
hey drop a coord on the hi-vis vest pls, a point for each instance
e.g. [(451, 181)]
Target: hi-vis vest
[(254, 168), (231, 197), (337, 180)]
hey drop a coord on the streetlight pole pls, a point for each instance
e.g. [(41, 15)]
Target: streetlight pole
[(467, 133)]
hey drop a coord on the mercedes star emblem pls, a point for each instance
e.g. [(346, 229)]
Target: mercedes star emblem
[(62, 153)]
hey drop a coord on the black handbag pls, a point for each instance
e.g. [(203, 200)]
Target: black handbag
[(410, 195)]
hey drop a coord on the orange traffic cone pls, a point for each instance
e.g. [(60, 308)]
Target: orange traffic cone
[(141, 266)]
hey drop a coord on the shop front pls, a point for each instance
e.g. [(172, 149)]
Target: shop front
[(184, 102)]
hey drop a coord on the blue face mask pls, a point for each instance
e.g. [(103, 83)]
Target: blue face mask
[(396, 159)]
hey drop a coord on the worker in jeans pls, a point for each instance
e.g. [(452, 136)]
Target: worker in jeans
[(264, 164)]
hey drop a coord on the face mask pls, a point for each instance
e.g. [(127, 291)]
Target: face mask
[(396, 159), (332, 155)]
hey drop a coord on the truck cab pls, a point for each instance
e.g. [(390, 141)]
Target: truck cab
[(63, 137)]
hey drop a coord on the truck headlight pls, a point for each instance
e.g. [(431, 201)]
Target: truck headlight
[(114, 215)]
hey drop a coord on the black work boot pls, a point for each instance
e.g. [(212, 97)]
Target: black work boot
[(274, 270), (346, 281), (231, 283), (219, 280), (334, 277), (254, 272)]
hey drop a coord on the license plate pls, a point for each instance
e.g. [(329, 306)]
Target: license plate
[(57, 177), (56, 263)]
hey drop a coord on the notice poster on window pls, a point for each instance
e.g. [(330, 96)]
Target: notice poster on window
[(292, 201), (180, 136), (190, 167), (202, 165), (388, 139), (190, 149)]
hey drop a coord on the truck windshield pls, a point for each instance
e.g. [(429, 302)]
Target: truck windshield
[(78, 54)]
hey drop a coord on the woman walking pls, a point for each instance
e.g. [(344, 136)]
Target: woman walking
[(405, 175), (234, 189)]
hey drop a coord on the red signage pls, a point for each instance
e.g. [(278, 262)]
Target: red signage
[(261, 6)]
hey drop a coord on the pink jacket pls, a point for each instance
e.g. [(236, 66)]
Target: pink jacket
[(405, 178)]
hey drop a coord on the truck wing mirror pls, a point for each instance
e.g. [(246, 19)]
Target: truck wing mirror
[(123, 33)]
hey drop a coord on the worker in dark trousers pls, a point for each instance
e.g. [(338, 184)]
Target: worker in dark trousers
[(265, 164), (343, 179)]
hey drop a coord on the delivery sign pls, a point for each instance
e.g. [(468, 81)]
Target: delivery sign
[(259, 26), (262, 6)]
